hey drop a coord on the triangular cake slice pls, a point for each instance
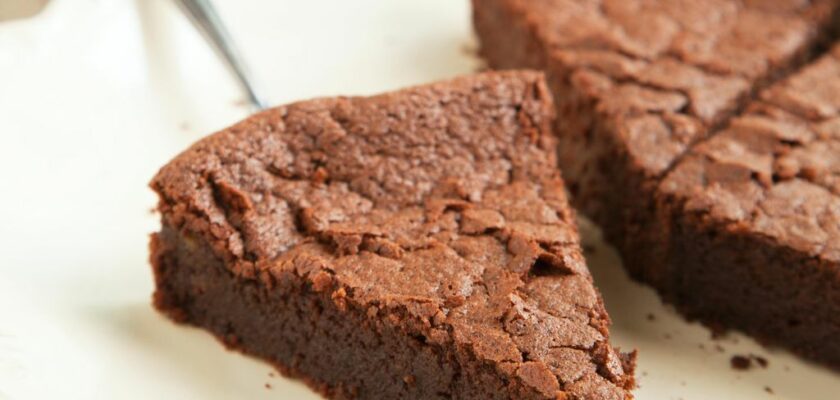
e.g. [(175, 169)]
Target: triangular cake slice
[(416, 244)]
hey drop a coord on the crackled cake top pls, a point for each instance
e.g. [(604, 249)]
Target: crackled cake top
[(775, 170), (669, 71), (437, 208)]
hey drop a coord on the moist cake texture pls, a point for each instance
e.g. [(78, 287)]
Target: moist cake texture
[(416, 244), (637, 84)]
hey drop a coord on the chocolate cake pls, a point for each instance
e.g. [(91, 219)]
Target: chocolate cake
[(416, 244), (756, 211), (637, 84)]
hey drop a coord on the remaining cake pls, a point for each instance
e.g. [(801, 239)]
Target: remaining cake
[(637, 83), (756, 210), (416, 244)]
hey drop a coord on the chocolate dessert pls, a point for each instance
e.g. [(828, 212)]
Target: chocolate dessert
[(637, 84), (416, 244)]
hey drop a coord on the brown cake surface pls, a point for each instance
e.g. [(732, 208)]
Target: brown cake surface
[(757, 216), (416, 244), (637, 84)]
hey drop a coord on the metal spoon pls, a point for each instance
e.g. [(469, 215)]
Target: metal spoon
[(203, 15)]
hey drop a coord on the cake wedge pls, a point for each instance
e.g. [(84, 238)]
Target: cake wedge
[(416, 244)]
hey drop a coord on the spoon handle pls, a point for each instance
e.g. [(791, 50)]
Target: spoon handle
[(203, 15)]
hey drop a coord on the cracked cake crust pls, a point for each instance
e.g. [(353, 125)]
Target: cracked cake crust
[(761, 199), (416, 244), (638, 84)]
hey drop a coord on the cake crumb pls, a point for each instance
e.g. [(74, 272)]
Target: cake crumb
[(271, 374), (719, 348), (717, 331), (762, 362), (268, 385), (651, 317), (740, 362), (768, 389)]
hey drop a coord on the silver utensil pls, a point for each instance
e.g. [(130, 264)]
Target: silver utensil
[(203, 15)]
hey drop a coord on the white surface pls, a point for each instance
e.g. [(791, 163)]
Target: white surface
[(96, 95)]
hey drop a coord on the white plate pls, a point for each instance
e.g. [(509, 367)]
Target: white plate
[(96, 95)]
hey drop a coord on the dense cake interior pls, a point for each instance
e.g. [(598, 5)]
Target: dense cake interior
[(423, 230)]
